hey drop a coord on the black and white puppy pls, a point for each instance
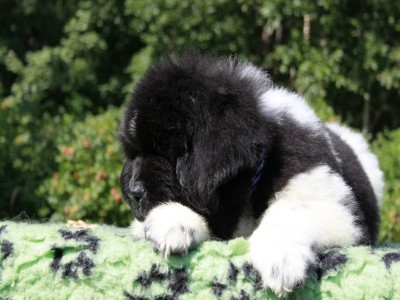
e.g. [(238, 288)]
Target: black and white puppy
[(215, 150)]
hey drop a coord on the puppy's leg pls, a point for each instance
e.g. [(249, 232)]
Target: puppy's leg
[(312, 212), (174, 228)]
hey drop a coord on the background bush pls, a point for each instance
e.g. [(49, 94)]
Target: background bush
[(387, 148), (66, 68), (86, 182)]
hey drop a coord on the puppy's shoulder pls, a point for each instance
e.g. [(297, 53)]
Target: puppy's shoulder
[(284, 104)]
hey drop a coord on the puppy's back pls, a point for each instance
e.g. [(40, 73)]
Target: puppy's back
[(361, 171)]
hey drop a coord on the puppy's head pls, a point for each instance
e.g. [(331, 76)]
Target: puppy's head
[(192, 126)]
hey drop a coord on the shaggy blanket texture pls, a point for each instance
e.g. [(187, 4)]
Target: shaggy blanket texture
[(53, 261)]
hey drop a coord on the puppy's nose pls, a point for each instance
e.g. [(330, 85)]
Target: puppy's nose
[(135, 195)]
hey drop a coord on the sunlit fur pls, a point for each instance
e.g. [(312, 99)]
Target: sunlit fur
[(195, 133)]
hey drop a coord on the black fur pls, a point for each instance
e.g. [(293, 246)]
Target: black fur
[(365, 207), (200, 135)]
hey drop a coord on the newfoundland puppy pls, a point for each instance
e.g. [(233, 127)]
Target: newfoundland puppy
[(215, 150)]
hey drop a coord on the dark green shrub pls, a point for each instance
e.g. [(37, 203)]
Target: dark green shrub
[(85, 184), (387, 148), (27, 157)]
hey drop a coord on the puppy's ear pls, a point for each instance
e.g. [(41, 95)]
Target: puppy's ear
[(222, 147)]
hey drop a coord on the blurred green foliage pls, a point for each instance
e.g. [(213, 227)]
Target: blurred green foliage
[(64, 64), (387, 148), (87, 176)]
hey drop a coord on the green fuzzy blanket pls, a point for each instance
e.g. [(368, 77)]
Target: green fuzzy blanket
[(52, 261)]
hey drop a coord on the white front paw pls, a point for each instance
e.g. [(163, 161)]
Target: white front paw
[(282, 266), (137, 229), (174, 228)]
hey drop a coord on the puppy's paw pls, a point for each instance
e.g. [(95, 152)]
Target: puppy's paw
[(282, 266), (137, 229), (174, 228)]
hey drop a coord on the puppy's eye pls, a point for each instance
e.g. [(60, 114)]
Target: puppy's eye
[(135, 200), (131, 151)]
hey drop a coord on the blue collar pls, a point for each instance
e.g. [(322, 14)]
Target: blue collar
[(257, 175)]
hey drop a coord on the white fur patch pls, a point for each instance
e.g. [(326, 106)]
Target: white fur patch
[(283, 103), (307, 215), (137, 229), (255, 74), (368, 160), (174, 228)]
